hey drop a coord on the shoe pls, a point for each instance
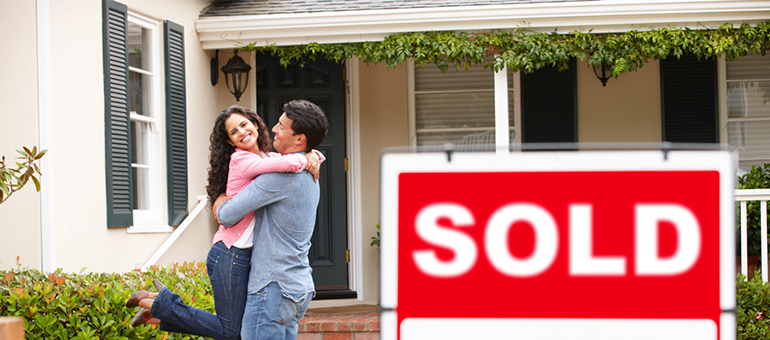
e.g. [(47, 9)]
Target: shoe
[(133, 301), (141, 317), (158, 285)]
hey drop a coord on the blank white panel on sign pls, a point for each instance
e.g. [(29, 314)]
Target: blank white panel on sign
[(557, 329)]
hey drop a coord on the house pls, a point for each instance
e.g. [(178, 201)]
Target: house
[(63, 92)]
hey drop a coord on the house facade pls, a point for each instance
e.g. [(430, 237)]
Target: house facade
[(55, 63), (121, 94)]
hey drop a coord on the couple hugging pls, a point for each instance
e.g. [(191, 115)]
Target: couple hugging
[(266, 204)]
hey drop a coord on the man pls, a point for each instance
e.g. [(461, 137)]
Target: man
[(280, 281)]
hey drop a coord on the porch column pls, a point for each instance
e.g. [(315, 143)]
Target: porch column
[(45, 123), (501, 111)]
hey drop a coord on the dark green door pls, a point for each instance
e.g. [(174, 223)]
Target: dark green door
[(322, 83)]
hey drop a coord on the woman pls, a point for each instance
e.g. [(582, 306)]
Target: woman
[(239, 152)]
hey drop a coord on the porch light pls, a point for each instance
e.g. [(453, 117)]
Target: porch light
[(604, 72), (236, 75)]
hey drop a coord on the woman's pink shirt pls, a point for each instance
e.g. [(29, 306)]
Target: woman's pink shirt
[(244, 167)]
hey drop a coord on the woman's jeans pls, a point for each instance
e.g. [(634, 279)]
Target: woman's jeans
[(228, 271)]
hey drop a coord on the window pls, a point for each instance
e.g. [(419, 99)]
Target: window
[(144, 107), (133, 121), (746, 111), (457, 107)]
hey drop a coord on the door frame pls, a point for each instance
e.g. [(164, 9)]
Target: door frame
[(353, 177)]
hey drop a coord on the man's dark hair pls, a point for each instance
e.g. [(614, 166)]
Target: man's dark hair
[(307, 119)]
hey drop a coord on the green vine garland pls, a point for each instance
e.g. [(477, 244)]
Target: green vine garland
[(527, 51)]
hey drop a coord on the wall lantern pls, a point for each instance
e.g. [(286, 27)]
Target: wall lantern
[(236, 75), (603, 72)]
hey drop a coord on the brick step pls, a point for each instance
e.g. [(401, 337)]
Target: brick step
[(354, 323)]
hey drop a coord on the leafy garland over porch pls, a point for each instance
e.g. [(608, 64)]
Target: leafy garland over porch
[(523, 50)]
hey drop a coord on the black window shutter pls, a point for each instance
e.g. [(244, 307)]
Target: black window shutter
[(549, 105), (176, 122), (689, 100), (118, 149)]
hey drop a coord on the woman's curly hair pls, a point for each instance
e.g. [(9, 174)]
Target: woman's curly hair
[(221, 149)]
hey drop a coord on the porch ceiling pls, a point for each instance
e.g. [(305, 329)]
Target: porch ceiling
[(264, 7), (229, 31)]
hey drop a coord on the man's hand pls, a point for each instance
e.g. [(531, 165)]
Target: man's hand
[(215, 209), (312, 164)]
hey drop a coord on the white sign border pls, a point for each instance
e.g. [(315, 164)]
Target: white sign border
[(393, 164)]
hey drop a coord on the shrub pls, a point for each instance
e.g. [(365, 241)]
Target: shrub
[(753, 308), (92, 306), (13, 179), (757, 178)]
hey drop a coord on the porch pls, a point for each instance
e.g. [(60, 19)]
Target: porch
[(744, 196)]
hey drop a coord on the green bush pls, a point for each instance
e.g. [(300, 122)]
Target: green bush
[(753, 308), (757, 178), (92, 306)]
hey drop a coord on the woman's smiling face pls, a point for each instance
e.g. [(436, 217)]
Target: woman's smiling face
[(242, 132)]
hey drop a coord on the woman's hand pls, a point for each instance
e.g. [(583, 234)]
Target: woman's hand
[(312, 164), (215, 208)]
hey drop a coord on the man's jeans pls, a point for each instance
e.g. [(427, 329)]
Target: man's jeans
[(273, 314), (228, 271)]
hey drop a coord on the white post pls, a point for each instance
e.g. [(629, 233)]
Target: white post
[(45, 123), (502, 138)]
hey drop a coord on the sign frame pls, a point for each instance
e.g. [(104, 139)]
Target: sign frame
[(393, 164)]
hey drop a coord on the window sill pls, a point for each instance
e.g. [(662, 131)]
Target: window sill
[(149, 229)]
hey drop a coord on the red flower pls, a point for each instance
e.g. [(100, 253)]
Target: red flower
[(759, 315)]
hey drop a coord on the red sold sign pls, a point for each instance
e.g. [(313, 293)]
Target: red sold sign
[(630, 246)]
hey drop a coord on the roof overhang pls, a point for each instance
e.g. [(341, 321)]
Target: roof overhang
[(563, 17)]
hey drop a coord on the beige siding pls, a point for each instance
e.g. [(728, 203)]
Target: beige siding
[(384, 123), (20, 215), (81, 236), (626, 110)]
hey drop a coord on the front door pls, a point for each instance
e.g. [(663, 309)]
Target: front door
[(322, 83)]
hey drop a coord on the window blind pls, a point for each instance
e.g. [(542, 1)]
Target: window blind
[(748, 109), (455, 107)]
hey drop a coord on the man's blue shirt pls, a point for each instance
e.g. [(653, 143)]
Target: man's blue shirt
[(285, 211)]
